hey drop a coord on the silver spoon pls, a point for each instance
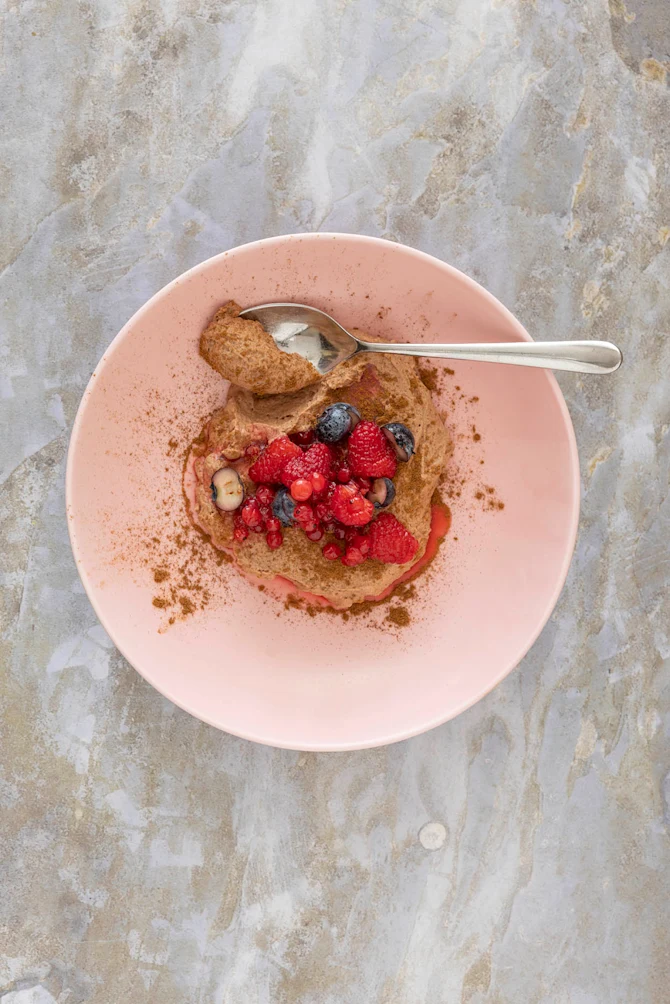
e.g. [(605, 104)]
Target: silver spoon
[(323, 342)]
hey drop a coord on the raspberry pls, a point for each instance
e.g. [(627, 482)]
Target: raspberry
[(274, 540), (332, 552), (301, 489), (273, 459), (365, 484), (343, 474), (370, 453), (352, 557), (318, 459), (349, 506), (390, 541)]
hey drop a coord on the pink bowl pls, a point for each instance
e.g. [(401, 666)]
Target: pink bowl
[(244, 663)]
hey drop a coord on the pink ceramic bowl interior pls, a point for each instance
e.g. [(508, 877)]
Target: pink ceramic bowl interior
[(244, 663)]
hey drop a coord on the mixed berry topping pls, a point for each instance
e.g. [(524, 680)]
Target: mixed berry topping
[(401, 439), (317, 459), (349, 506), (227, 489), (303, 438), (381, 492), (329, 483), (370, 453), (251, 513), (283, 507), (273, 458), (336, 422), (241, 530), (390, 541), (274, 539)]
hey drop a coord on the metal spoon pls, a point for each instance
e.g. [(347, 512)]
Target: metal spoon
[(323, 342)]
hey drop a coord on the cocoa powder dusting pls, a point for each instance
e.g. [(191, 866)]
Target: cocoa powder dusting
[(181, 562), (430, 377), (464, 462), (187, 605), (399, 616), (405, 591)]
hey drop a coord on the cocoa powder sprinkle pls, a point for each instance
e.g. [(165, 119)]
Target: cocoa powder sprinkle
[(399, 616)]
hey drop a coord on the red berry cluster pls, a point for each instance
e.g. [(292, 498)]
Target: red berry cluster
[(328, 487), (255, 516)]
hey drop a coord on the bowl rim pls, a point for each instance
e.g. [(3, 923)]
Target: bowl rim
[(510, 664)]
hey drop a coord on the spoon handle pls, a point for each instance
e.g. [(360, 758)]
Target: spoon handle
[(578, 357)]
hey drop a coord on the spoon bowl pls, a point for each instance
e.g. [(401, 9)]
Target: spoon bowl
[(318, 338), (307, 332)]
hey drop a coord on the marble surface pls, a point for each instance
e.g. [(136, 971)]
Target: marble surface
[(517, 854)]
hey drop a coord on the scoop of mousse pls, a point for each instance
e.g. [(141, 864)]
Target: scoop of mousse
[(388, 390), (242, 351)]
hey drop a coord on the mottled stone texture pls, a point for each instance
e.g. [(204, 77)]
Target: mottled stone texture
[(148, 857)]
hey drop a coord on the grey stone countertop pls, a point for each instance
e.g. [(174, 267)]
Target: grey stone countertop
[(148, 857)]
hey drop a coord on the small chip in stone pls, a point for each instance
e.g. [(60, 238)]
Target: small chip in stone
[(432, 836)]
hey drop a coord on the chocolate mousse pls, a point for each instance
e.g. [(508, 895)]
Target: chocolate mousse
[(242, 351), (332, 481)]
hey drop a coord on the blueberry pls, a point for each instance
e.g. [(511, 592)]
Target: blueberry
[(401, 439), (283, 507), (382, 492), (227, 489), (336, 422)]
